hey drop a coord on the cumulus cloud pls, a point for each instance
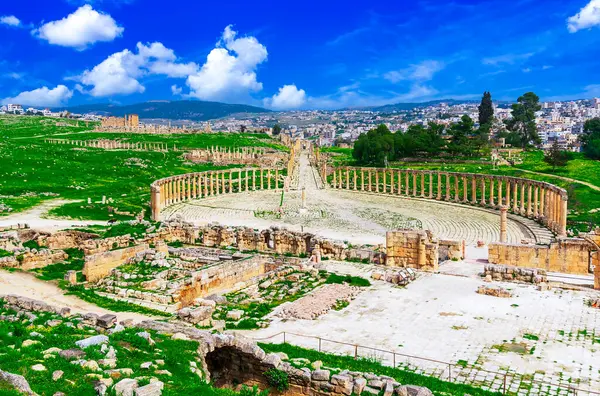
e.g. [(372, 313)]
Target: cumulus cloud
[(10, 20), (42, 97), (119, 73), (423, 71), (176, 90), (587, 17), (288, 97), (80, 29), (229, 72)]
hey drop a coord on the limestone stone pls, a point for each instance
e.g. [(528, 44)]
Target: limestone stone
[(152, 389), (94, 340), (57, 375), (126, 387)]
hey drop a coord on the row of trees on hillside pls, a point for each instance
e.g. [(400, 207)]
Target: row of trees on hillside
[(462, 139)]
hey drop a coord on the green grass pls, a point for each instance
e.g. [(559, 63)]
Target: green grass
[(351, 280), (33, 171), (5, 253), (110, 304), (438, 387)]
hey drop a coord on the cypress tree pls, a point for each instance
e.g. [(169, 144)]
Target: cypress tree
[(486, 109)]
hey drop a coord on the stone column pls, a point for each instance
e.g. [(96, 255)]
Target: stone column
[(212, 184), (447, 196), (522, 198), (465, 195), (473, 190), (369, 172), (456, 194), (536, 211), (155, 202), (529, 200), (189, 188), (492, 201), (268, 179), (439, 186), (384, 183), (376, 180), (483, 191), (205, 182), (500, 191), (542, 210), (399, 189), (414, 180), (515, 196), (562, 231), (422, 176), (406, 183), (355, 179), (194, 182), (362, 180), (421, 254), (347, 178), (503, 223), (262, 179), (230, 181), (334, 178)]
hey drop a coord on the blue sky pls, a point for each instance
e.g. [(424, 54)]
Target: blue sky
[(288, 55)]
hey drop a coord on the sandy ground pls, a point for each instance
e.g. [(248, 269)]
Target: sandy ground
[(36, 218), (27, 285)]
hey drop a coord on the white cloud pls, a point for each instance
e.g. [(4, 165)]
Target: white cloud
[(42, 97), (80, 29), (176, 90), (230, 69), (423, 71), (508, 59), (119, 73), (10, 20), (587, 17), (288, 97)]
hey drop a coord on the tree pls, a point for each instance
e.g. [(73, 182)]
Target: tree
[(486, 110), (375, 146), (276, 129), (243, 128), (590, 139), (556, 157), (523, 119), (460, 132)]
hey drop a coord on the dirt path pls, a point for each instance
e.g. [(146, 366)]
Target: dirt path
[(590, 185), (27, 285), (36, 217)]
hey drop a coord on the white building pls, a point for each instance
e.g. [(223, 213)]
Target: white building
[(14, 107)]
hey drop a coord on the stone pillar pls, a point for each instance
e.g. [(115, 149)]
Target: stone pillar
[(194, 182), (362, 180), (465, 197), (355, 179), (340, 179), (212, 183), (529, 200), (536, 211), (515, 196), (483, 191), (422, 176), (473, 190), (439, 186), (230, 181), (347, 178), (399, 189), (205, 182), (542, 209), (421, 253), (492, 201), (503, 223), (456, 194), (384, 182), (522, 198), (414, 180), (268, 179), (334, 178), (370, 186), (189, 188), (500, 192), (562, 231), (262, 179), (407, 183), (376, 180), (155, 202)]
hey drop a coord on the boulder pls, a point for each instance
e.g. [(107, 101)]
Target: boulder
[(95, 340), (71, 354), (152, 389), (17, 382), (126, 387)]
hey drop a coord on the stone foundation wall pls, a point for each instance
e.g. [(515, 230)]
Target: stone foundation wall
[(451, 250), (413, 249), (65, 239), (99, 265), (95, 246), (33, 259), (567, 255), (511, 274)]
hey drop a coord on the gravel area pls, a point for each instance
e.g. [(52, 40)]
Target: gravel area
[(318, 302)]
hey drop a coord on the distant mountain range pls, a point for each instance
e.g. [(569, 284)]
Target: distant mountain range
[(409, 106), (193, 110)]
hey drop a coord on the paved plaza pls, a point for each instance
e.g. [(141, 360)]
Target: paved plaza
[(549, 336), (356, 217)]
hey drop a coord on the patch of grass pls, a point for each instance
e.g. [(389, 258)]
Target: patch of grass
[(175, 244), (278, 379), (437, 386), (341, 304), (531, 337), (32, 244), (351, 280), (5, 253), (113, 305), (520, 348)]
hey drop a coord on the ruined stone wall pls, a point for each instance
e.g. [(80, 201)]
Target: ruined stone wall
[(412, 248), (224, 276), (64, 239), (94, 246), (451, 250), (259, 156), (567, 255), (33, 259), (99, 265)]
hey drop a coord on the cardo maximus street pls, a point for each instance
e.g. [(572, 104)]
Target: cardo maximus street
[(351, 216)]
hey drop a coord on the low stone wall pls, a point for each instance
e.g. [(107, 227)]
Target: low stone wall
[(413, 249), (567, 255), (65, 239), (511, 274), (99, 265), (28, 304), (451, 250), (33, 259)]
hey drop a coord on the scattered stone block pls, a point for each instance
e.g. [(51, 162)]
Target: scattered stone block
[(494, 291)]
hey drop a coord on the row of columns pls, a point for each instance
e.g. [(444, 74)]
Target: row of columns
[(181, 188), (112, 144), (528, 198)]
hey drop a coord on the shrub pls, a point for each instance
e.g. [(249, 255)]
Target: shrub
[(5, 253), (277, 379), (254, 391), (31, 244)]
